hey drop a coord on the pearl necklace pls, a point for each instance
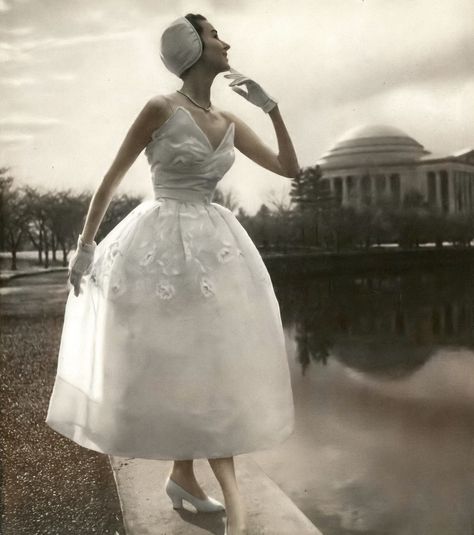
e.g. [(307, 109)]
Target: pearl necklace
[(199, 105)]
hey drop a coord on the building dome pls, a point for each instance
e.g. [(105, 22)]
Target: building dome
[(373, 144)]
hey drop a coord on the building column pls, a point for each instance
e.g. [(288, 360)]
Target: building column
[(469, 192), (331, 184), (345, 197), (358, 190), (451, 191), (467, 202), (439, 204), (456, 181), (470, 178), (463, 193)]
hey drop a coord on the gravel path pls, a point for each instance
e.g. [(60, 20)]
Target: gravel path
[(49, 484)]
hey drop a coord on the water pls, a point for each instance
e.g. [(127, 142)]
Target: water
[(383, 376)]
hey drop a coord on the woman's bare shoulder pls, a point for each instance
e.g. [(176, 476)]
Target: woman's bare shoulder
[(155, 112), (158, 103), (232, 118), (226, 114)]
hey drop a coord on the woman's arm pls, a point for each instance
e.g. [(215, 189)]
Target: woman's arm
[(285, 163), (286, 155), (138, 136)]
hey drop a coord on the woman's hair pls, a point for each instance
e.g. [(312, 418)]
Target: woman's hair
[(194, 20)]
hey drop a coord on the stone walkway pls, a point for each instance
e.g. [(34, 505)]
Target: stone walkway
[(147, 509)]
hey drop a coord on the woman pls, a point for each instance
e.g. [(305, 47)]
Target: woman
[(172, 345)]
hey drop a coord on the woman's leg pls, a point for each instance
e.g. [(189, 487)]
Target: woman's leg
[(183, 474), (224, 471)]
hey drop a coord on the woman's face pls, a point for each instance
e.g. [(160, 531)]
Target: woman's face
[(215, 50)]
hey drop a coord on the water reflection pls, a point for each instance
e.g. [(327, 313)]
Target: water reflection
[(384, 325), (383, 375)]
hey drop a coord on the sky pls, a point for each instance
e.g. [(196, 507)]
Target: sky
[(74, 74)]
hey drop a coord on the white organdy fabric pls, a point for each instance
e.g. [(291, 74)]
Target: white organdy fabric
[(175, 347), (180, 46)]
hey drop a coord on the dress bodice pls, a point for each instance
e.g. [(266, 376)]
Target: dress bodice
[(183, 163)]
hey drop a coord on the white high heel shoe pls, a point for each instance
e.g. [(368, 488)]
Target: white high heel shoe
[(177, 494)]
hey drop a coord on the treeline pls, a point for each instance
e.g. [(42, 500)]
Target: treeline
[(50, 221), (314, 219)]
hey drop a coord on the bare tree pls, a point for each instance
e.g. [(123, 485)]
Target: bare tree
[(6, 183), (282, 207), (227, 199), (281, 203), (118, 208), (15, 216), (37, 228), (66, 213)]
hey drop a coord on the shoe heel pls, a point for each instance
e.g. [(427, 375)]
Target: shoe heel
[(173, 496), (177, 502)]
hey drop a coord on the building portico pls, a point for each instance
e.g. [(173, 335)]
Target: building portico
[(373, 163)]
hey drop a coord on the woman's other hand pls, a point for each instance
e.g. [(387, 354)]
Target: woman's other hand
[(80, 263), (255, 93)]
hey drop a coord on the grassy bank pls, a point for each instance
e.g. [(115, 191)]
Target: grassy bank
[(290, 264)]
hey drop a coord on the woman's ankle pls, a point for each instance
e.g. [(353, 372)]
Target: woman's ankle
[(182, 472), (237, 527), (189, 483), (236, 514), (183, 477)]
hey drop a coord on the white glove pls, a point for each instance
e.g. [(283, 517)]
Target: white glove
[(80, 263), (256, 95)]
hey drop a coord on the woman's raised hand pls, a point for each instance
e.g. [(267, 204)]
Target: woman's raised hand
[(255, 93), (80, 263)]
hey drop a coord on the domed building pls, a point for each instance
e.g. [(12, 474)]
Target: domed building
[(375, 162)]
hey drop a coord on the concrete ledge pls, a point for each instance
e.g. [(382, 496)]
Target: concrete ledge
[(147, 510)]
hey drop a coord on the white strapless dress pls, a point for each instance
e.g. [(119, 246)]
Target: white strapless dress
[(174, 348)]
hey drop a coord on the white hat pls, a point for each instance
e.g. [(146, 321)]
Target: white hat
[(181, 46)]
